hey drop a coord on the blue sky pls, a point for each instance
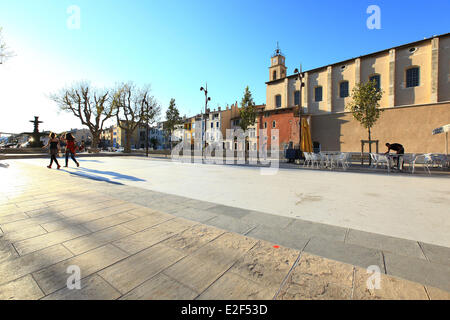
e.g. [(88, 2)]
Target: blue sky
[(176, 46)]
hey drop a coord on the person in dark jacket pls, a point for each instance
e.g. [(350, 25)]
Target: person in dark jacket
[(398, 148), (71, 148), (53, 143)]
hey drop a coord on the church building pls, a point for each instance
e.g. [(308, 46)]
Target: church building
[(414, 78)]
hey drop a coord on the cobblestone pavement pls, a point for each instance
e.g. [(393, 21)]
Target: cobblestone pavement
[(132, 243)]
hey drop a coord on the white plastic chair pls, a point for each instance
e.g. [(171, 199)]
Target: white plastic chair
[(380, 159), (342, 159), (315, 159), (424, 159), (439, 160), (324, 159), (374, 158), (307, 159), (408, 159)]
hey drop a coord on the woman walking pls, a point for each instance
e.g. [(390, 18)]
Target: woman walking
[(71, 148), (53, 143)]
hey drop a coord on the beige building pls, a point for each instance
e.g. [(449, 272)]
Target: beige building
[(414, 77)]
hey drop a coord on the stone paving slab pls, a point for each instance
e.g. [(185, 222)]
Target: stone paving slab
[(437, 294), (234, 287), (229, 211), (147, 221), (55, 277), (7, 250), (7, 218), (16, 268), (46, 240), (317, 278), (225, 249), (385, 243), (199, 215), (418, 270), (26, 233), (107, 222), (389, 288), (24, 288), (161, 287), (148, 237), (193, 238), (22, 224), (348, 253), (144, 265), (266, 219), (265, 265), (287, 238), (231, 224), (313, 229), (437, 254), (140, 252), (97, 239), (92, 288)]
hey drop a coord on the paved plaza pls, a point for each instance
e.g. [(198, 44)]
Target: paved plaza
[(154, 229)]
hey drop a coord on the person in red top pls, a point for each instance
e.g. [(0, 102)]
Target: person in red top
[(71, 147)]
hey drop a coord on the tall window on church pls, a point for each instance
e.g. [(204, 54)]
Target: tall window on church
[(343, 89), (412, 77), (278, 101), (376, 78), (318, 94), (297, 98), (274, 75)]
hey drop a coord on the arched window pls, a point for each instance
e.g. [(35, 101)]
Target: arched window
[(278, 101), (343, 89), (274, 124), (377, 79), (274, 75), (412, 77)]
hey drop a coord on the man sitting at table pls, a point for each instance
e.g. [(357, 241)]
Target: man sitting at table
[(396, 147)]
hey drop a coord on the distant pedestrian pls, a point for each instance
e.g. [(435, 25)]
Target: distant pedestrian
[(398, 148), (71, 148), (82, 146), (53, 143)]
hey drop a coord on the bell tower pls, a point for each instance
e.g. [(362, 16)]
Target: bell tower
[(277, 69)]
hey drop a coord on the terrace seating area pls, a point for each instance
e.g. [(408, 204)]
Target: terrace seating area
[(409, 163)]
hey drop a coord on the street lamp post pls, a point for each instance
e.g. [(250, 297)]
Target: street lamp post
[(206, 107), (147, 111), (300, 76)]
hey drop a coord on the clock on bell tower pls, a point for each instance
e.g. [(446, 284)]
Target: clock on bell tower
[(277, 69)]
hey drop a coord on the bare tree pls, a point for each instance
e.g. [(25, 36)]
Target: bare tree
[(134, 108), (5, 53), (91, 105)]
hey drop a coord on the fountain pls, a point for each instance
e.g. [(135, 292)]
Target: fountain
[(36, 135)]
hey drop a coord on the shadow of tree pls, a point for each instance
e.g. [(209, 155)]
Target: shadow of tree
[(93, 177), (116, 175)]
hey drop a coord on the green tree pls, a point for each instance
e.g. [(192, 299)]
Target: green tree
[(154, 143), (365, 105), (172, 119), (247, 112)]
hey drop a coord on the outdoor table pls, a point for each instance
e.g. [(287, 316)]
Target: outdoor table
[(391, 157), (328, 155)]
